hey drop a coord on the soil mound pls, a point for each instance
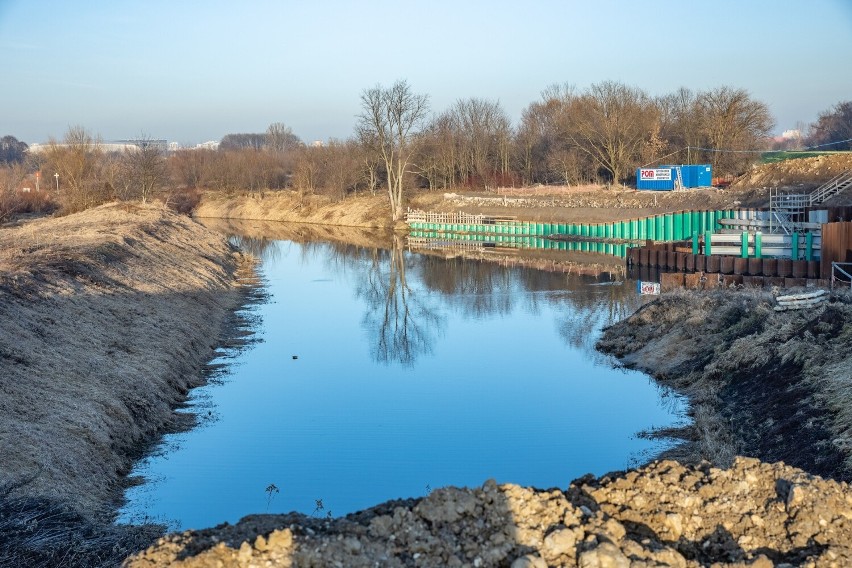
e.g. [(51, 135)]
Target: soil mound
[(664, 514), (805, 173), (767, 384)]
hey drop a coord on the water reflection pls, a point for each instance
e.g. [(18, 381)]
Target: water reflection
[(413, 371), (401, 321)]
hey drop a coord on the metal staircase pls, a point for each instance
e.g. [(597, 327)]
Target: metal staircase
[(832, 187), (788, 210)]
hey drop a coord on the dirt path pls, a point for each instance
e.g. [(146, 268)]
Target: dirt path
[(109, 317)]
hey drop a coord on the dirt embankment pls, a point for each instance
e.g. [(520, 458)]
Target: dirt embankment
[(664, 514), (805, 173), (761, 383), (562, 204), (582, 205), (285, 205), (109, 317)]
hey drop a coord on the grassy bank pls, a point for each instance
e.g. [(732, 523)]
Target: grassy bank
[(109, 317)]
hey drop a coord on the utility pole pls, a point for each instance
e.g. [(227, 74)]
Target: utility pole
[(56, 175)]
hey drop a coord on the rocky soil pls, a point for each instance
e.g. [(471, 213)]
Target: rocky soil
[(109, 317), (665, 514)]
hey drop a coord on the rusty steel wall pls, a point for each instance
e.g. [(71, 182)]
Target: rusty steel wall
[(836, 245)]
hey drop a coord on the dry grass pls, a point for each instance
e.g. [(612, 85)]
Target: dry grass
[(109, 317)]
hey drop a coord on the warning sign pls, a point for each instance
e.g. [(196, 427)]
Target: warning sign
[(652, 288)]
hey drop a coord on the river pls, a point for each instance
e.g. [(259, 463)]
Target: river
[(380, 373)]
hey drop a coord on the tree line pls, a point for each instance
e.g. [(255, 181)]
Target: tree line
[(598, 135)]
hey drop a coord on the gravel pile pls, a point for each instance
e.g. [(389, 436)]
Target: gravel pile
[(665, 514)]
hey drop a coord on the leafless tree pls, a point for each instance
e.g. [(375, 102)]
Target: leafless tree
[(389, 123), (147, 169), (733, 124), (833, 127), (188, 167), (612, 122), (77, 160), (280, 138)]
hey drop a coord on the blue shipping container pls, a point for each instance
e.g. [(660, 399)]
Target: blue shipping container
[(664, 178), (696, 175), (660, 178)]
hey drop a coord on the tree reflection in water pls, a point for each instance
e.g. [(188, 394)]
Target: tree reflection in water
[(401, 321), (406, 294)]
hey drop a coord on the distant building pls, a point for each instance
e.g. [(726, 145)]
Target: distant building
[(111, 146), (211, 145), (160, 144), (317, 144), (792, 134)]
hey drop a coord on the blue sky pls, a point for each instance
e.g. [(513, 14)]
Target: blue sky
[(192, 70)]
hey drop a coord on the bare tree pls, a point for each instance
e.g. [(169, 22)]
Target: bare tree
[(146, 166), (188, 167), (833, 127), (242, 141), (77, 161), (390, 121), (481, 130), (280, 138), (733, 124), (611, 123)]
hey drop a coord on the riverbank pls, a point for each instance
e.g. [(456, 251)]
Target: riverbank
[(109, 317), (767, 384), (665, 514), (550, 204)]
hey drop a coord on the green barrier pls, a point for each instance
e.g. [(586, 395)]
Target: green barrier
[(677, 226), (649, 227), (695, 249), (659, 228), (758, 245), (668, 227), (744, 245), (708, 249), (794, 246), (809, 245)]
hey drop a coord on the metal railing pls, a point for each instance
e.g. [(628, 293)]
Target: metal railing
[(831, 188), (839, 274)]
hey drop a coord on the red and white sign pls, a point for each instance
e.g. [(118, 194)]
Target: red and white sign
[(652, 288), (651, 174)]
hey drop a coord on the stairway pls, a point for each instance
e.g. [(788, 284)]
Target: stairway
[(831, 188), (787, 211)]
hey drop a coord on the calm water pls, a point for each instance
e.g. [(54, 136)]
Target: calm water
[(383, 374)]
